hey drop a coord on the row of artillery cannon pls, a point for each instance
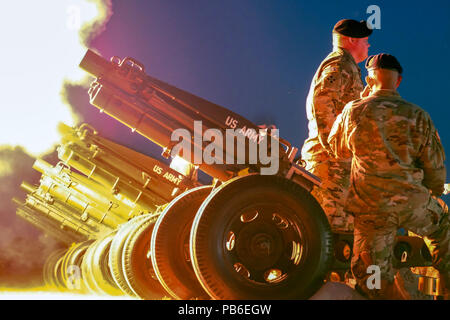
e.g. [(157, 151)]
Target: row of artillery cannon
[(134, 225)]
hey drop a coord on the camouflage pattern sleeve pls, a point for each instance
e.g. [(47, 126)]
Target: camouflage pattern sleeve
[(338, 140), (327, 100), (431, 158)]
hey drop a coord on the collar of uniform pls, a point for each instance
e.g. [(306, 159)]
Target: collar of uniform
[(349, 56), (385, 92)]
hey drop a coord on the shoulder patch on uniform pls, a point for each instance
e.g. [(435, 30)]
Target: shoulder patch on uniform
[(330, 69)]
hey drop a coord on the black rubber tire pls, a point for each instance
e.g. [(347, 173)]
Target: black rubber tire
[(49, 268), (170, 245), (137, 266), (116, 251), (254, 227)]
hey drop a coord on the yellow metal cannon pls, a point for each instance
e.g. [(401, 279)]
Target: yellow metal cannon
[(84, 195), (134, 178), (52, 221), (95, 191)]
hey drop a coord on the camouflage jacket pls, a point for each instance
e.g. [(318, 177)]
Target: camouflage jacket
[(337, 81), (397, 155)]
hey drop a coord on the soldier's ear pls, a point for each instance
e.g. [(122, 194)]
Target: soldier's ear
[(351, 41)]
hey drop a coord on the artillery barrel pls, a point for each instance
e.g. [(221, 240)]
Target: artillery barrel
[(49, 225), (145, 182), (60, 181), (156, 109), (68, 217)]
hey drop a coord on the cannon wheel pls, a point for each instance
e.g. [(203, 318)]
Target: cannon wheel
[(136, 262), (86, 269), (116, 251), (62, 264), (170, 245), (74, 257), (49, 267), (100, 271), (261, 237), (96, 274), (58, 274)]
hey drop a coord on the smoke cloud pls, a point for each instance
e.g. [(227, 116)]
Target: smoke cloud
[(45, 42), (23, 248)]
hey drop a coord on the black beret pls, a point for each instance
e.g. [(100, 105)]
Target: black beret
[(383, 61), (352, 28)]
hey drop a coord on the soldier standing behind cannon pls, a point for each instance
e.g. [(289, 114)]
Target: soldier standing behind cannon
[(336, 82), (397, 175)]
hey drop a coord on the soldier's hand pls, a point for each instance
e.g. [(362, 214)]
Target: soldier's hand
[(365, 92), (447, 188)]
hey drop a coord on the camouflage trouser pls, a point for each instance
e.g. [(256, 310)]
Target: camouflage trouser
[(333, 192), (374, 244)]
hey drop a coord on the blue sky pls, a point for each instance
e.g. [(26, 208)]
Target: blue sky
[(257, 57)]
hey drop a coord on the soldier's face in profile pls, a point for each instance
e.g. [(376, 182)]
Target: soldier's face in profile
[(361, 48)]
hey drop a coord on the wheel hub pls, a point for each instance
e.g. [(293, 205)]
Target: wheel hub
[(262, 245), (259, 245)]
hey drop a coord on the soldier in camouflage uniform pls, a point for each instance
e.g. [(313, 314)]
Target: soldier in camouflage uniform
[(397, 175), (336, 82)]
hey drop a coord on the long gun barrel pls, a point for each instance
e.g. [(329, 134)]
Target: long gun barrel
[(67, 216), (52, 222), (63, 205), (81, 193), (141, 180), (156, 109), (109, 185), (40, 205)]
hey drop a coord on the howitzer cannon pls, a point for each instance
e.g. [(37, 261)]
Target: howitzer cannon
[(51, 221), (76, 191), (92, 194), (132, 177), (61, 211), (156, 109), (250, 236), (112, 184)]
